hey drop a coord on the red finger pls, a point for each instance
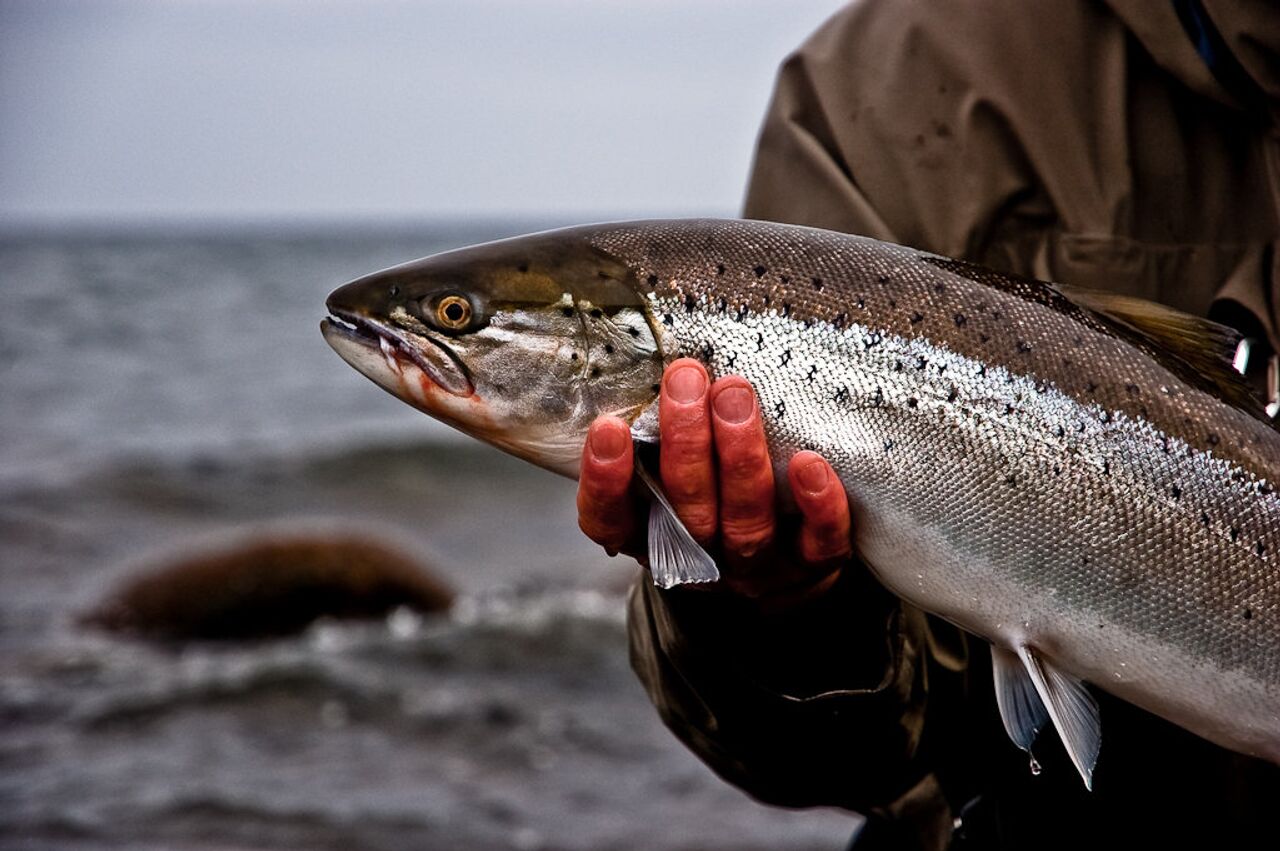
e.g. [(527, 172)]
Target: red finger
[(746, 476), (605, 510), (825, 530), (688, 469)]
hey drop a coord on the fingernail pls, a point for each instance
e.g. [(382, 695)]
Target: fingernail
[(813, 476), (734, 404), (686, 384), (607, 443)]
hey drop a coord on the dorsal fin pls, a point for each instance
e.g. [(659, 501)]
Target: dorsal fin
[(1206, 347)]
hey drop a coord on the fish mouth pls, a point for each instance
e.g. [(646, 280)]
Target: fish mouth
[(436, 361)]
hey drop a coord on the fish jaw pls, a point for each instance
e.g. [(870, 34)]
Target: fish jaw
[(440, 388)]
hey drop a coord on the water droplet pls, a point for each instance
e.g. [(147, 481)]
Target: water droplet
[(1035, 767)]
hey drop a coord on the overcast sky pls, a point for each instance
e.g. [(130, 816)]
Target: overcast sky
[(321, 108)]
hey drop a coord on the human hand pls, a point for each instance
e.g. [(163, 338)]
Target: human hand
[(715, 468)]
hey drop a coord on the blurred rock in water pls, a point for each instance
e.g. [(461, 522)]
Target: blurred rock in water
[(268, 586)]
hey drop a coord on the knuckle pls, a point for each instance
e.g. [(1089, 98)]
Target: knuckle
[(743, 462), (826, 548), (605, 535), (699, 518), (747, 536)]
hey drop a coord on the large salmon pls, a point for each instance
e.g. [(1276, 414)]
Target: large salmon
[(1080, 479)]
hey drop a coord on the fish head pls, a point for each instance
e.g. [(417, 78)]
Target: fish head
[(520, 343)]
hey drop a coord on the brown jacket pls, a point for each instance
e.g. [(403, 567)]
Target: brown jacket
[(1085, 142)]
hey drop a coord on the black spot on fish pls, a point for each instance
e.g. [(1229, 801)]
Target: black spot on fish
[(1132, 389), (1084, 559), (961, 320), (939, 287), (872, 341), (912, 402), (921, 363), (893, 302), (897, 366), (1164, 445), (742, 312), (760, 270), (721, 304), (1080, 428), (668, 319), (1060, 432), (1079, 341), (1106, 468), (655, 387), (1057, 469), (1023, 347), (878, 399), (786, 358), (1213, 439), (634, 332), (573, 356), (813, 372), (1204, 518), (840, 320), (842, 395), (708, 352), (982, 370), (566, 312), (1265, 489), (1066, 361), (984, 338), (767, 299), (808, 323), (1259, 547), (1234, 531), (1248, 614), (786, 279), (597, 313), (759, 342), (689, 303), (523, 268), (608, 348), (1008, 409), (1011, 480), (1105, 416), (719, 268), (653, 281), (731, 360), (1090, 387), (780, 409), (1041, 387), (953, 394), (786, 309), (860, 302), (917, 318), (995, 314), (883, 279), (888, 444), (595, 372), (817, 284), (1175, 492)]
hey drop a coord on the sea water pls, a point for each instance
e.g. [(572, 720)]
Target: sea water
[(167, 388)]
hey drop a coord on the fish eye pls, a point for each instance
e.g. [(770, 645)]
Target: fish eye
[(453, 312)]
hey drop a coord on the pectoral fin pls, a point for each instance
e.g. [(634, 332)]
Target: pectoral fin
[(1072, 709), (1021, 709), (675, 558)]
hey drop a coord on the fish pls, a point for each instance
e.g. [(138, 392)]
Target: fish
[(1079, 478)]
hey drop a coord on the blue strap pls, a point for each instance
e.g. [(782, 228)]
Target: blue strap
[(1221, 62)]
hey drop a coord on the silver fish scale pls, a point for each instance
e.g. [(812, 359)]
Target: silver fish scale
[(1014, 467)]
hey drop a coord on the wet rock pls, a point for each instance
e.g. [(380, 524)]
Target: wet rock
[(269, 586)]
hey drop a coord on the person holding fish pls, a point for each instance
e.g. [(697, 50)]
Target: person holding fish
[(1123, 146)]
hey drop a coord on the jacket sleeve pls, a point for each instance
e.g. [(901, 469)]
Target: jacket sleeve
[(821, 705)]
